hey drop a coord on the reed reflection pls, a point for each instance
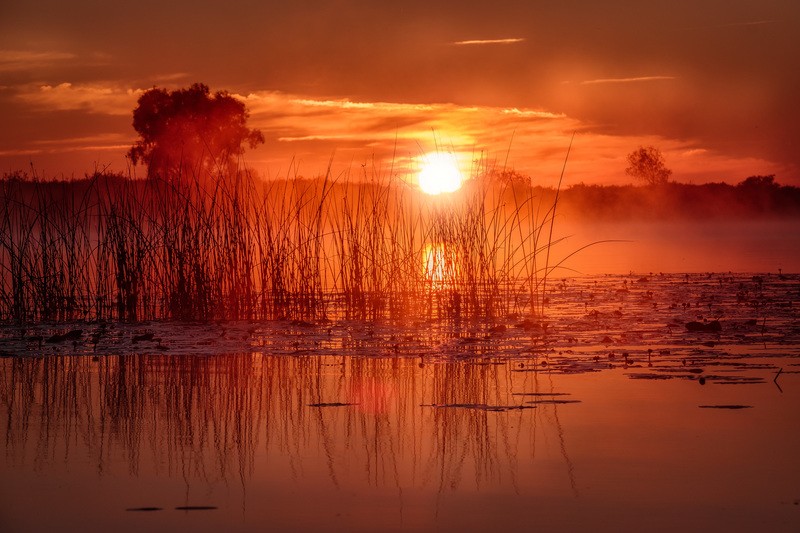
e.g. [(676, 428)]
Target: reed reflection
[(379, 421)]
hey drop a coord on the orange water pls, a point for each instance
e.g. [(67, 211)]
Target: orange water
[(594, 425)]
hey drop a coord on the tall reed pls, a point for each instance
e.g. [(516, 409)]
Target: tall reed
[(233, 247)]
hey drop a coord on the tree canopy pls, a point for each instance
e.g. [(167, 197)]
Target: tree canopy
[(647, 164), (190, 131)]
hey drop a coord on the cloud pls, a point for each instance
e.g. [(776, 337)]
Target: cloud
[(628, 80), (752, 23), (303, 131), (512, 40), (731, 25), (101, 98), (93, 143), (20, 152), (531, 113), (343, 137), (348, 104), (533, 141), (344, 119), (102, 139), (171, 77), (310, 129), (18, 60), (66, 149), (691, 152)]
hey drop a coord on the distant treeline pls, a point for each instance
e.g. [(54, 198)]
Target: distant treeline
[(755, 197)]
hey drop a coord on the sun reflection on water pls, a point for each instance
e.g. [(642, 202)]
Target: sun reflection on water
[(440, 264)]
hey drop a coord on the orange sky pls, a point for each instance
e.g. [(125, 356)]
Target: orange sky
[(712, 83)]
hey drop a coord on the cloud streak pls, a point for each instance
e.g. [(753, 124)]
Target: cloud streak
[(731, 25), (638, 79), (531, 113), (512, 40), (94, 98), (19, 60)]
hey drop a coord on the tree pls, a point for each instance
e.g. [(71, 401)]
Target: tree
[(190, 131), (760, 183), (647, 164)]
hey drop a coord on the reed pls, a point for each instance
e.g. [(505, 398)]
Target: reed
[(233, 247)]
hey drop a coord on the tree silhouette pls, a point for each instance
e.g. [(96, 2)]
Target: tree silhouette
[(190, 131), (764, 183), (647, 164)]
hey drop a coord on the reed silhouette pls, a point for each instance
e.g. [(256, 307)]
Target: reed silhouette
[(234, 247)]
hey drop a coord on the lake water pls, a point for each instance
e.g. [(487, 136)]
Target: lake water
[(610, 415)]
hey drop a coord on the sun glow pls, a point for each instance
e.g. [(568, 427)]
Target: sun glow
[(439, 173), (439, 264)]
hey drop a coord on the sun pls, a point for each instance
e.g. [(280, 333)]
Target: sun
[(439, 173)]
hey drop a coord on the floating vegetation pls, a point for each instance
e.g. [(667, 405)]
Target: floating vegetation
[(740, 381), (553, 401), (73, 335), (704, 327), (653, 376), (646, 349), (541, 393), (733, 406), (480, 407)]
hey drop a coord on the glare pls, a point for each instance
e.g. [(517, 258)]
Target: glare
[(439, 173), (439, 264)]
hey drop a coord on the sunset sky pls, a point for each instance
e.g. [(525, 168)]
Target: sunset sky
[(713, 84)]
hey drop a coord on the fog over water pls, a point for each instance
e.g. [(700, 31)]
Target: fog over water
[(739, 245)]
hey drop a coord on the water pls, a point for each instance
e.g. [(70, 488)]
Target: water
[(608, 416)]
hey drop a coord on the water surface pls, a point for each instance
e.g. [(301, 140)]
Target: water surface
[(610, 415)]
